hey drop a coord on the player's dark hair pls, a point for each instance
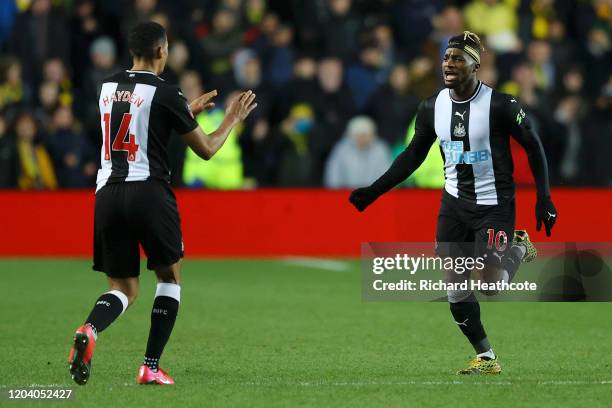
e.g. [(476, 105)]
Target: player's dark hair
[(144, 39)]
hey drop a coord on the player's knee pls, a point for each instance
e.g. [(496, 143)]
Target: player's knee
[(130, 293), (132, 297), (169, 274), (459, 295), (168, 279)]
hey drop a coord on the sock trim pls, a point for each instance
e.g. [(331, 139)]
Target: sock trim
[(170, 290), (488, 354), (122, 297)]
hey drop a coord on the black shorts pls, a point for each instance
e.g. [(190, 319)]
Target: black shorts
[(468, 229), (132, 213)]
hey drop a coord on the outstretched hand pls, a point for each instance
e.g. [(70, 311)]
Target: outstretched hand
[(203, 102), (361, 198), (546, 214), (241, 106)]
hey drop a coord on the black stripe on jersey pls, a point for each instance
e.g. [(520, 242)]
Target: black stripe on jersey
[(503, 166), (120, 167), (459, 131)]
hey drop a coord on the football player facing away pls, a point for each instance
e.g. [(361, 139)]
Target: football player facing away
[(134, 203), (473, 124)]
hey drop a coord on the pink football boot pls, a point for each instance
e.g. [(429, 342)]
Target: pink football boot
[(148, 376), (81, 353)]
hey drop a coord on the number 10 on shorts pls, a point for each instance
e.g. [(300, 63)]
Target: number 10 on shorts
[(499, 239)]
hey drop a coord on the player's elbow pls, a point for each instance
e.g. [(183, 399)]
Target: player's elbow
[(209, 154), (204, 153)]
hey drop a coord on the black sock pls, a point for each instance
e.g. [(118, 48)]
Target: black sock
[(163, 316), (511, 262), (108, 307), (467, 316)]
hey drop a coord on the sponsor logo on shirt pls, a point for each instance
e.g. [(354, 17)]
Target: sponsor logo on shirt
[(454, 154)]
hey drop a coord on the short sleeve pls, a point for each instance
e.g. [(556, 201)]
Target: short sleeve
[(180, 115)]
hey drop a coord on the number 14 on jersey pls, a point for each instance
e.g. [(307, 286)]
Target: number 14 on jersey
[(119, 142)]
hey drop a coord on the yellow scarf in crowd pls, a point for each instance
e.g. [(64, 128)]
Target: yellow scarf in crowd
[(36, 168)]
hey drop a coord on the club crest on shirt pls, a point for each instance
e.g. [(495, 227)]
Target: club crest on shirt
[(459, 130)]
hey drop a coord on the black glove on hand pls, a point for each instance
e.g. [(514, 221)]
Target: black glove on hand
[(545, 213), (362, 198)]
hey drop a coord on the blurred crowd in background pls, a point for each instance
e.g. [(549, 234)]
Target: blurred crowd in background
[(338, 84)]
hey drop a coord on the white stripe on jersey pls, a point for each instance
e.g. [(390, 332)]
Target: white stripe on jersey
[(139, 126), (480, 139), (104, 173), (442, 124)]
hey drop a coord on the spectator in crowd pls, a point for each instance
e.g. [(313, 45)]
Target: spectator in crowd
[(8, 13), (261, 153), (447, 23), (178, 62), (141, 10), (359, 158), (412, 22), (296, 165), (568, 116), (364, 77), (333, 58), (279, 61), (72, 155), (248, 75), (14, 92), (262, 43), (219, 45), (333, 108), (254, 10), (55, 71), (38, 34), (563, 49), (595, 163), (9, 160), (539, 56), (341, 31), (394, 105), (83, 29), (35, 166), (303, 86), (497, 21), (383, 38), (598, 58), (48, 101)]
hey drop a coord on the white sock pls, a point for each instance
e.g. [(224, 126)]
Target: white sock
[(523, 250), (488, 354), (505, 277)]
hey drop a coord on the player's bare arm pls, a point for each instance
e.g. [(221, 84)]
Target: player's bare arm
[(238, 110)]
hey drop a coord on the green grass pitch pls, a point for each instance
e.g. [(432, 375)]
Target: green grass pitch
[(278, 333)]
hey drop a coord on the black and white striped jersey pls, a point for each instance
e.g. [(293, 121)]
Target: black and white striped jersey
[(474, 137), (138, 111)]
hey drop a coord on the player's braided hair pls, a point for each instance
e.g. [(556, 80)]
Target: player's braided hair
[(468, 42)]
